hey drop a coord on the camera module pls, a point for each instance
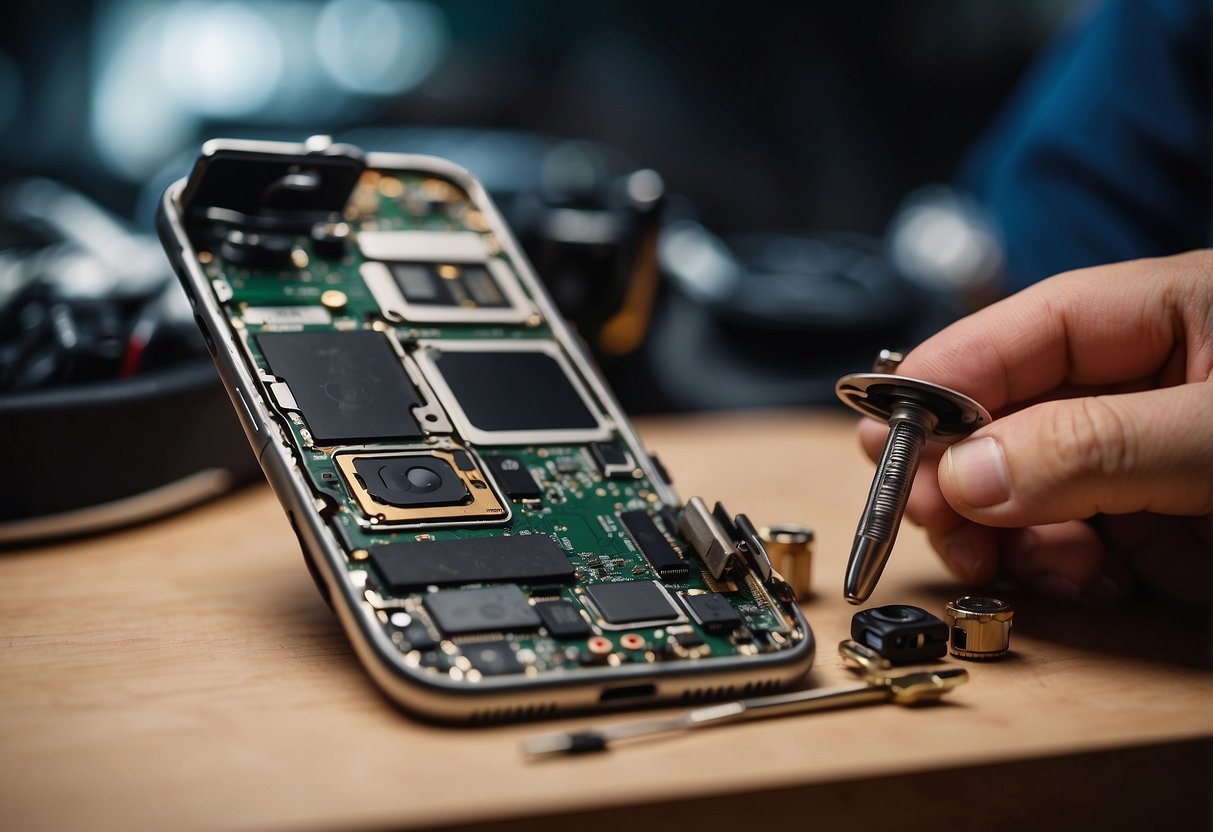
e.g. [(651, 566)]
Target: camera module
[(421, 488), (411, 481)]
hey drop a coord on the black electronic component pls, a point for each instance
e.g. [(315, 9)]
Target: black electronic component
[(350, 386), (411, 481), (631, 602), (257, 251), (462, 286), (901, 633), (688, 640), (660, 468), (417, 637), (654, 545), (514, 478), (612, 460), (463, 461), (490, 609), (471, 560), (563, 619), (545, 590), (514, 391), (329, 239), (713, 611), (493, 658)]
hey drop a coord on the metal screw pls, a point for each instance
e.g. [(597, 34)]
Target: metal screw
[(916, 411)]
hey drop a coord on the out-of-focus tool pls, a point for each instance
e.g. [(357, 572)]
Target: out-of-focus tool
[(916, 411), (979, 628), (910, 688)]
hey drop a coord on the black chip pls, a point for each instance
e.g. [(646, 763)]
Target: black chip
[(563, 619), (417, 637), (534, 557), (629, 602), (613, 461), (688, 640), (506, 391), (653, 544), (463, 461), (514, 478), (461, 286), (493, 658), (713, 611), (350, 386), (491, 609)]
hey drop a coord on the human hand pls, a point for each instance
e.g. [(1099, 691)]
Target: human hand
[(1098, 466)]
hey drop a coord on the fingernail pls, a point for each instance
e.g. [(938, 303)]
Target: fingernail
[(963, 561), (979, 469), (1055, 587)]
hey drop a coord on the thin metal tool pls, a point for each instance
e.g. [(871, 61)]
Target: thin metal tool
[(915, 411), (910, 688)]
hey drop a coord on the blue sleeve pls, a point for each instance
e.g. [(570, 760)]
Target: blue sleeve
[(1106, 152)]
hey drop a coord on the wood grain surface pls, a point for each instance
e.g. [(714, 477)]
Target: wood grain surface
[(185, 674)]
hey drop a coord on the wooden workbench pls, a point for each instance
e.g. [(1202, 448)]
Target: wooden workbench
[(185, 674)]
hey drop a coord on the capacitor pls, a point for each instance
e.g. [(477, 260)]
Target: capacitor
[(978, 628)]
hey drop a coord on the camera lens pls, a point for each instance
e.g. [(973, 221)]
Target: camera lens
[(421, 480)]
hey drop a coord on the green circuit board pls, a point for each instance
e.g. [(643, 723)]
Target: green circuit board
[(437, 411)]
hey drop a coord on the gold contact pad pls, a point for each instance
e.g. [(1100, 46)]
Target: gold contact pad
[(484, 504)]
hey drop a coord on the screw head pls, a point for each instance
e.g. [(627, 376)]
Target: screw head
[(876, 394)]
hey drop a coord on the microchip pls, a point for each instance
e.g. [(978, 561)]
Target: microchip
[(532, 557), (491, 609), (630, 602), (688, 640), (713, 611), (653, 544), (463, 285), (563, 619), (350, 386), (613, 461), (417, 637), (493, 658), (514, 478), (499, 393)]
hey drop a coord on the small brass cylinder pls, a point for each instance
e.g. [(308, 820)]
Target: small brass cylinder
[(790, 547), (979, 628)]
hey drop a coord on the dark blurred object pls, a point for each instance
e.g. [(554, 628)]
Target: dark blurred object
[(109, 404), (1105, 153), (82, 298), (767, 319)]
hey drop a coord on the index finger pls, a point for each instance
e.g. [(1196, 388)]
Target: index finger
[(1103, 325)]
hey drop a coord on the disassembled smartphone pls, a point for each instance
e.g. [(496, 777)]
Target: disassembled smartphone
[(468, 495)]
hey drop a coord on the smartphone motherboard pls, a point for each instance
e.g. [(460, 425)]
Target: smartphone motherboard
[(471, 498)]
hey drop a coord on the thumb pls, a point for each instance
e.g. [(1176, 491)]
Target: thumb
[(1073, 458)]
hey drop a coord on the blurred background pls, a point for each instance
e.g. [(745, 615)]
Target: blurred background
[(785, 144), (734, 208)]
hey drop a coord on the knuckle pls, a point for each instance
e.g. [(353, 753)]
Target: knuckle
[(1091, 438)]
